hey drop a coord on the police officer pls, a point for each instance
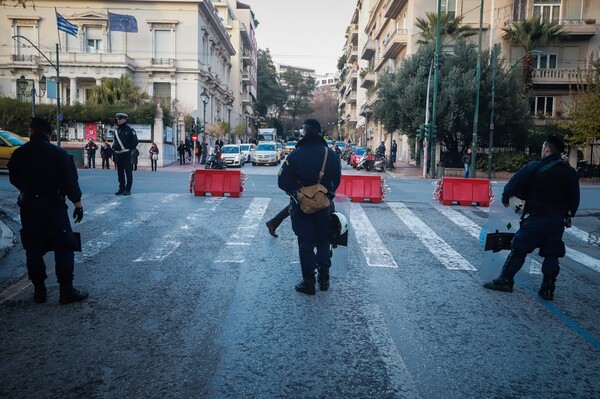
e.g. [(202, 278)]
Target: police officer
[(550, 188), (125, 142), (45, 174), (301, 168)]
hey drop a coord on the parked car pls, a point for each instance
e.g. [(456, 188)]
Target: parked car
[(9, 142), (290, 146), (231, 154), (356, 154), (280, 151), (247, 150), (265, 154)]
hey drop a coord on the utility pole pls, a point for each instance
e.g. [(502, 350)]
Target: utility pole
[(436, 72), (478, 83), (491, 137)]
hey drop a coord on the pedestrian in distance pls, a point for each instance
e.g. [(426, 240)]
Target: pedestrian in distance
[(381, 148), (394, 151), (135, 154), (45, 175), (153, 156), (125, 142), (106, 153), (91, 149), (181, 152), (310, 163), (550, 189), (466, 160)]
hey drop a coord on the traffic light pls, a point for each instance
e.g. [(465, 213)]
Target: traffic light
[(421, 131), (433, 131), (200, 129), (428, 130), (194, 128)]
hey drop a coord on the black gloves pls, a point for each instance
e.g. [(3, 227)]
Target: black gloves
[(78, 214)]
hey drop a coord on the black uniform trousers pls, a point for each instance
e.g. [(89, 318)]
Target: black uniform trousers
[(124, 170)]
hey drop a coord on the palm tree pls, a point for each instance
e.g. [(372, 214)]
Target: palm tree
[(118, 91), (531, 33), (451, 28)]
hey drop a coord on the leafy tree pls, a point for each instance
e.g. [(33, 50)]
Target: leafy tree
[(451, 28), (299, 93), (270, 94), (402, 96), (121, 91), (531, 33), (341, 63), (324, 104)]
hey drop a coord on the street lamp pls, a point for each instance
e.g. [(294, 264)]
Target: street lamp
[(366, 112), (204, 97), (492, 110), (247, 116), (22, 84), (229, 107)]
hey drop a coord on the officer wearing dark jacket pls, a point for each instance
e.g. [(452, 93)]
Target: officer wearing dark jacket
[(125, 142), (301, 168), (45, 174), (550, 188)]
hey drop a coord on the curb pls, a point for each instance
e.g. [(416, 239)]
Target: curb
[(7, 239)]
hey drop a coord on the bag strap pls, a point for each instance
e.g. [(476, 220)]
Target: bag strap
[(322, 172)]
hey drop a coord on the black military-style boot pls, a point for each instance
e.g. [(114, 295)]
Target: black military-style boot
[(547, 288), (501, 283), (323, 278), (120, 192), (274, 223), (68, 294), (39, 294), (307, 285)]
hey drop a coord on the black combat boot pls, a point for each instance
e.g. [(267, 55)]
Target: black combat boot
[(501, 283), (323, 278), (39, 294), (68, 294), (307, 285), (120, 192), (547, 288)]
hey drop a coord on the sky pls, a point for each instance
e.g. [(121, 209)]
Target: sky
[(304, 33)]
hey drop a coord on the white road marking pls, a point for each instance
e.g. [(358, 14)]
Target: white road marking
[(584, 259), (578, 233), (444, 253), (105, 208), (474, 230), (371, 245), (239, 241)]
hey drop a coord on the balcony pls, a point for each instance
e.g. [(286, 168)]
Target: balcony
[(246, 101), (557, 76), (351, 97), (368, 80), (352, 33), (25, 58), (247, 59), (368, 50), (352, 54), (578, 28), (95, 59), (246, 79), (392, 8), (394, 42)]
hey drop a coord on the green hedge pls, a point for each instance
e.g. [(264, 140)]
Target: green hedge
[(506, 161)]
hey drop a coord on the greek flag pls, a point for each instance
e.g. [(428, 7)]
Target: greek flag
[(66, 26)]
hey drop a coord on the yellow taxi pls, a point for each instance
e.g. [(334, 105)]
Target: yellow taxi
[(9, 142), (290, 146)]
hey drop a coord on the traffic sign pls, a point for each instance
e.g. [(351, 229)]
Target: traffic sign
[(60, 117), (194, 137)]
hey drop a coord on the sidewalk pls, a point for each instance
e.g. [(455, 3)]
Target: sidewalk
[(405, 169), (7, 239)]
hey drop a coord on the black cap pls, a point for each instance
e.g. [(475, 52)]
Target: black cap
[(557, 142), (312, 126), (120, 115)]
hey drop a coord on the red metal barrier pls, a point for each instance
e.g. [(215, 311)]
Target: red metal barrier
[(217, 183), (361, 187), (462, 191)]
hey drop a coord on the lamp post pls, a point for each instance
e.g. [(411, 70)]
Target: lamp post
[(366, 112), (492, 110), (22, 84), (57, 69), (229, 107), (247, 116), (204, 98)]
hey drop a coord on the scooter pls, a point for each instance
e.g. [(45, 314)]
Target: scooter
[(379, 164), (215, 163), (365, 161)]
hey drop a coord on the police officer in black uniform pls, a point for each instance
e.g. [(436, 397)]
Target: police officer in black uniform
[(550, 188), (302, 168), (45, 174), (125, 142)]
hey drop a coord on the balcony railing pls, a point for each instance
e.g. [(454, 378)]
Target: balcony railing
[(163, 61), (29, 58), (557, 76), (392, 8), (368, 50), (368, 80), (394, 42), (571, 27)]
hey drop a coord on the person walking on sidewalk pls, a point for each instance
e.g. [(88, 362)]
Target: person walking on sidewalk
[(153, 156), (125, 142), (466, 160), (91, 149), (45, 174)]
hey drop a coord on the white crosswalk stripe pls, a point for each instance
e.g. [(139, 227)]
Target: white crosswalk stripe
[(371, 245)]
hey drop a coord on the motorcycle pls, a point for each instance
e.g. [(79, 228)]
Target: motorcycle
[(379, 164), (215, 163), (366, 161)]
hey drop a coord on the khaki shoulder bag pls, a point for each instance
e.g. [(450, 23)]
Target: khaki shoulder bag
[(314, 198)]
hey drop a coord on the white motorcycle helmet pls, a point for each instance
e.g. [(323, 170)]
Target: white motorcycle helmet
[(517, 204), (339, 224)]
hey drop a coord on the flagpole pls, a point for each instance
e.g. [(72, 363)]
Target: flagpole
[(57, 31)]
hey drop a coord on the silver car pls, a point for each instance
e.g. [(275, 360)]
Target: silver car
[(231, 154), (247, 150), (266, 154)]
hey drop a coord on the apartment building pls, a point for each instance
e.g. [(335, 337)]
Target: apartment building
[(179, 50), (390, 35)]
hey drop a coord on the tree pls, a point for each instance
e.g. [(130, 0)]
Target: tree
[(402, 96), (299, 93), (270, 96), (118, 91), (451, 28), (325, 107), (531, 33)]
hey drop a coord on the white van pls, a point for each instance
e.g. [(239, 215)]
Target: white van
[(267, 134)]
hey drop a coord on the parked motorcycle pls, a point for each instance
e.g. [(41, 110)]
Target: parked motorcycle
[(379, 164), (366, 162), (215, 163)]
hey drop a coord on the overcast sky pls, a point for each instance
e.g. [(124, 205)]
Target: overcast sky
[(305, 33)]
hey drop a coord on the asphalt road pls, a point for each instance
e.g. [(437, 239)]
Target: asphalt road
[(191, 298)]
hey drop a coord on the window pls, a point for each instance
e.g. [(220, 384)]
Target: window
[(93, 37), (449, 6), (24, 49), (162, 45), (519, 10), (542, 106), (162, 92), (548, 10), (545, 61)]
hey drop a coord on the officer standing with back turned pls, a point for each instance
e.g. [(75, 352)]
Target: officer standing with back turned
[(550, 188), (45, 174), (125, 142)]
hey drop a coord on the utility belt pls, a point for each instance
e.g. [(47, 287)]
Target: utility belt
[(121, 151), (40, 197)]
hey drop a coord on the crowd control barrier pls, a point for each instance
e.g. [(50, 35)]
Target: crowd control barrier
[(362, 187), (217, 183), (466, 192)]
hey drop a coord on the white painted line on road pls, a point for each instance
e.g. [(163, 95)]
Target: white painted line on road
[(106, 207), (474, 230), (584, 259), (578, 233), (451, 259), (170, 198), (239, 241), (371, 245)]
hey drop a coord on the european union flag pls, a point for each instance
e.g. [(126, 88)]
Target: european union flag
[(122, 23)]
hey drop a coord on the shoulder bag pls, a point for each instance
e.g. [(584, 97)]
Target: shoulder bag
[(314, 198)]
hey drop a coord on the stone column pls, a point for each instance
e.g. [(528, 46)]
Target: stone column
[(74, 94), (158, 135)]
